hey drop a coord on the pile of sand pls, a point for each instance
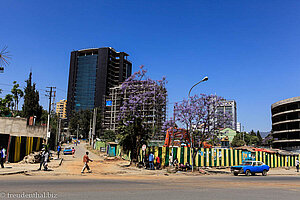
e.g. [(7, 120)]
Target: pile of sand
[(31, 158)]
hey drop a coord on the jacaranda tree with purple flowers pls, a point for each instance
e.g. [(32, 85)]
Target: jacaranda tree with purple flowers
[(140, 94), (201, 118)]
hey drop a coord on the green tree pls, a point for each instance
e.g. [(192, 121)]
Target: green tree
[(31, 106), (259, 137), (238, 140), (17, 94), (268, 141), (254, 141), (132, 135), (108, 136), (247, 138), (82, 119), (6, 105), (44, 117), (214, 140), (252, 133)]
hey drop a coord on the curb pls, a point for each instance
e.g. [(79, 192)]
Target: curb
[(283, 174), (218, 172), (12, 173)]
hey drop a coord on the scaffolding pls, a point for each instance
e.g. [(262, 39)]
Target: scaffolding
[(153, 111)]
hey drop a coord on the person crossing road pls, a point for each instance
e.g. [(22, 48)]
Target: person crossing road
[(86, 160)]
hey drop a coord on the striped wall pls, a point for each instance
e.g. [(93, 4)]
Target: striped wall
[(211, 157), (21, 146)]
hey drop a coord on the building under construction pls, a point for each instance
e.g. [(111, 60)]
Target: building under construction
[(153, 112)]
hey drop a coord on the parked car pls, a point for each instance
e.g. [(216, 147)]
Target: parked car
[(67, 150), (250, 167)]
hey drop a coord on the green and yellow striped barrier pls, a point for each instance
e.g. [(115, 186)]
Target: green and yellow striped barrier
[(216, 157)]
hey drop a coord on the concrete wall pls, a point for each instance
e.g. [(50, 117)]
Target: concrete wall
[(18, 127)]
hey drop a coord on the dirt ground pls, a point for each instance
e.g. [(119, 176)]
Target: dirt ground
[(106, 167), (101, 166)]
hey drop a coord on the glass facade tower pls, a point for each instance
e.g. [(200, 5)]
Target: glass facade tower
[(84, 96), (92, 73)]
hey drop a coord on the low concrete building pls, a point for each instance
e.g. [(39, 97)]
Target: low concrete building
[(19, 127), (227, 132), (20, 139)]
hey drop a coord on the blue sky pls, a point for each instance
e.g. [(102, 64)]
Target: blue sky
[(248, 49)]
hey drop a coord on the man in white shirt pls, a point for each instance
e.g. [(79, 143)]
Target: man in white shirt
[(297, 164), (3, 156)]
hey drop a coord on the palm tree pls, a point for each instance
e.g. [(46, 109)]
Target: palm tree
[(4, 58), (17, 94)]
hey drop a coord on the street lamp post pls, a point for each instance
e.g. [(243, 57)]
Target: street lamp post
[(77, 131), (191, 137)]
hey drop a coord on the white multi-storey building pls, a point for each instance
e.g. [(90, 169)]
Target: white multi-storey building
[(229, 107)]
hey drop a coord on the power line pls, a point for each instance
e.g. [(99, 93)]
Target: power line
[(50, 96)]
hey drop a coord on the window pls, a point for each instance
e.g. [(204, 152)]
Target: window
[(86, 82)]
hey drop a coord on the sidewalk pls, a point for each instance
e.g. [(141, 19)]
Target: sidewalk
[(16, 168), (283, 171), (272, 172)]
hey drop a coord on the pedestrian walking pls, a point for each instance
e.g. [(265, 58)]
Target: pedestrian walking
[(42, 156), (58, 150), (3, 156), (46, 159), (86, 160), (73, 152), (297, 165), (157, 162), (175, 163), (151, 160)]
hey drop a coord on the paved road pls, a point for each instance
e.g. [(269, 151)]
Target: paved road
[(205, 187)]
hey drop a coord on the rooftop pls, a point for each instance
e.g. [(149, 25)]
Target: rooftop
[(285, 101)]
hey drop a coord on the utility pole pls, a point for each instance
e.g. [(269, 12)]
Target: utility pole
[(48, 122), (58, 132), (77, 131), (90, 132), (243, 134), (172, 138), (94, 126)]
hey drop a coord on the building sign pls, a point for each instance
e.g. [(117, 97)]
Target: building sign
[(108, 103), (102, 149)]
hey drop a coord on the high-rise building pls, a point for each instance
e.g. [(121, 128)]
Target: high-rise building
[(92, 73), (286, 124), (229, 107), (153, 112), (238, 127), (61, 109)]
